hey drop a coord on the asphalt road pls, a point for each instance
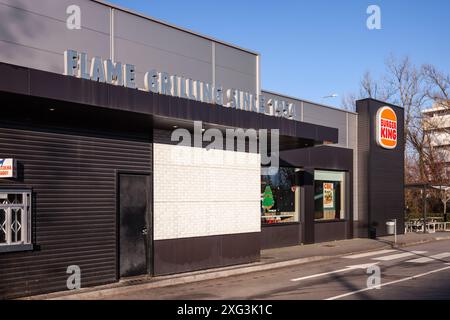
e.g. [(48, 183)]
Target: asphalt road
[(402, 276)]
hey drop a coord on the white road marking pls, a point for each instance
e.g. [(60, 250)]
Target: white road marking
[(399, 256), (431, 259), (349, 268), (368, 254), (389, 283)]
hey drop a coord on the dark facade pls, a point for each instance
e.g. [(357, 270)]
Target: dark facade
[(72, 173), (72, 143), (382, 197), (80, 143)]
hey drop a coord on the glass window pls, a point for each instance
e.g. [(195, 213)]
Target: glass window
[(329, 195), (280, 197), (15, 217)]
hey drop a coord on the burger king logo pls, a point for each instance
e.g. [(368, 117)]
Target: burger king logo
[(386, 128)]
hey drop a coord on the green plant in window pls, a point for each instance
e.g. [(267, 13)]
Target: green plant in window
[(268, 201)]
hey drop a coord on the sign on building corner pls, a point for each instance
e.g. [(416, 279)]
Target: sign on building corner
[(386, 128)]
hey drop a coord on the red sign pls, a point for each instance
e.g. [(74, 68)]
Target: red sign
[(8, 168)]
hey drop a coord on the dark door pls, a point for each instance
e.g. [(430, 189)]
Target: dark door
[(134, 227)]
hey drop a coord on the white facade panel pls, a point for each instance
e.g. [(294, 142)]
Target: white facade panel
[(438, 139), (205, 193)]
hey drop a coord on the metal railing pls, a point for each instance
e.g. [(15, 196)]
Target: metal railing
[(431, 226)]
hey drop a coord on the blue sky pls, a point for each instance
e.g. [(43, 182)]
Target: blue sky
[(314, 48)]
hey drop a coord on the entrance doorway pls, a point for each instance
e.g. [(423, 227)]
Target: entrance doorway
[(135, 227)]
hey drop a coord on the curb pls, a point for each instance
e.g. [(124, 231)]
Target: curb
[(160, 282), (408, 244), (99, 292)]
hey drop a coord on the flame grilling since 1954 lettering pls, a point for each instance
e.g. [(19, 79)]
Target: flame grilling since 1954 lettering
[(386, 127), (76, 64)]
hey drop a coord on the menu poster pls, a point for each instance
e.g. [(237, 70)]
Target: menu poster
[(328, 195)]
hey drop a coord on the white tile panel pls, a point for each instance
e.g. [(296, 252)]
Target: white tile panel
[(204, 193)]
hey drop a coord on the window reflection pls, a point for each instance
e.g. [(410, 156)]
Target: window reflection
[(280, 197), (329, 195)]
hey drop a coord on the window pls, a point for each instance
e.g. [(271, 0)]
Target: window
[(280, 197), (329, 195), (15, 217)]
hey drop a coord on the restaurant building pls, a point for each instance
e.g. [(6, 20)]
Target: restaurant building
[(91, 175)]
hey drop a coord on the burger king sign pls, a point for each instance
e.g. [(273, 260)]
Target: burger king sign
[(386, 128)]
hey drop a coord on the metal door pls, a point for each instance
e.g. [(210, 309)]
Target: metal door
[(134, 227)]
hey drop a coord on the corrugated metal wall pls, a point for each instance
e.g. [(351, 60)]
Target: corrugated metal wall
[(73, 176)]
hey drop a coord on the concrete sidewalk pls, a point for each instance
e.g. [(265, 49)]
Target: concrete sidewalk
[(270, 259), (337, 248)]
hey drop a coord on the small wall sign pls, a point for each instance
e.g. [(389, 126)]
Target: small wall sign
[(8, 168), (328, 196)]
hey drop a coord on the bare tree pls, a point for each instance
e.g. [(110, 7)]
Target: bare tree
[(415, 88), (438, 85), (405, 86), (348, 102), (402, 84), (437, 91), (369, 88)]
